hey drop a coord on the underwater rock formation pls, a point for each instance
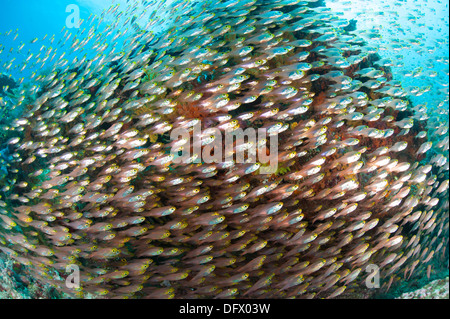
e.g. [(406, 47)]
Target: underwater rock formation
[(437, 289), (6, 83), (16, 283), (95, 184)]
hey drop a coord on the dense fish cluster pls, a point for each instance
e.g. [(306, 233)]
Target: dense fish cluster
[(92, 181)]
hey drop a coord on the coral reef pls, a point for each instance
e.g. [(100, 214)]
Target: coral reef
[(17, 283), (437, 289)]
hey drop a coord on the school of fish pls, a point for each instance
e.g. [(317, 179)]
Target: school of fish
[(90, 179)]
